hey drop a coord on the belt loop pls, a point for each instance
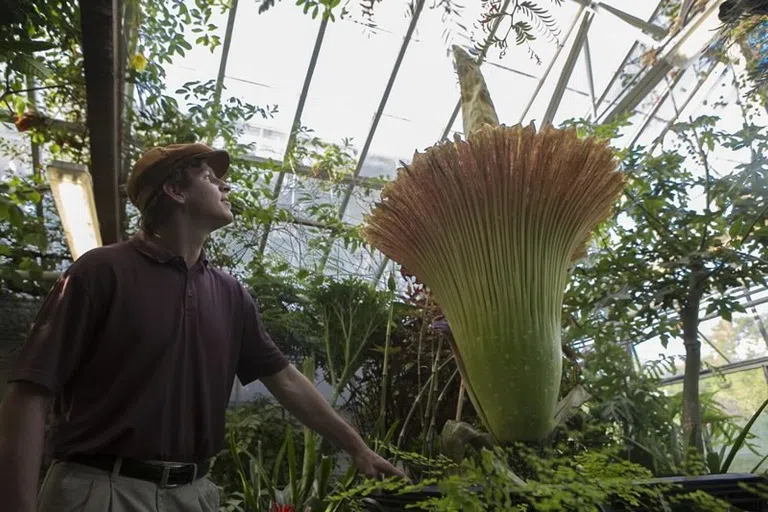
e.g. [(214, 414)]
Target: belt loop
[(165, 475), (194, 472), (117, 466)]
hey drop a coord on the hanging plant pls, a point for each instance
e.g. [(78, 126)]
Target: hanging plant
[(491, 224)]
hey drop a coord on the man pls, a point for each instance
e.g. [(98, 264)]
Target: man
[(137, 346)]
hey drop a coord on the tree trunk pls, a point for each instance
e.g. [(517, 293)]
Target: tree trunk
[(103, 68), (690, 316)]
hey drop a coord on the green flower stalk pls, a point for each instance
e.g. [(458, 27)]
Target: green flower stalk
[(491, 225)]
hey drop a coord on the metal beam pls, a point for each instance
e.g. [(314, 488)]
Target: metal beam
[(100, 25), (570, 63), (222, 67), (49, 123), (725, 369), (299, 169), (590, 75), (309, 172), (624, 62), (660, 138), (641, 90), (295, 126), (677, 53), (376, 118), (655, 31), (551, 65), (652, 113)]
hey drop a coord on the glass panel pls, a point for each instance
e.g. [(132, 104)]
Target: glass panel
[(651, 131), (642, 10), (510, 91), (344, 263), (378, 165), (360, 204), (422, 97), (300, 195), (291, 243), (352, 72), (609, 41), (740, 394), (15, 151), (199, 63), (266, 74)]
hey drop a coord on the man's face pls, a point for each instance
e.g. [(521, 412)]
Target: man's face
[(205, 199)]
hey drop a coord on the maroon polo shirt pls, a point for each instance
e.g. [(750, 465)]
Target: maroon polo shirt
[(140, 353)]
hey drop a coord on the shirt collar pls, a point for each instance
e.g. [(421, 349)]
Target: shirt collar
[(145, 244)]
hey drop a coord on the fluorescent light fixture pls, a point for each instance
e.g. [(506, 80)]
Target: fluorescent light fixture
[(72, 189)]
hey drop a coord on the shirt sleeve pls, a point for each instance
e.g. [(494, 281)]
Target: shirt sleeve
[(259, 356), (62, 331)]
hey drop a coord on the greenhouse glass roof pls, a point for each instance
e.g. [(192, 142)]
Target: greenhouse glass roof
[(386, 85), (390, 89)]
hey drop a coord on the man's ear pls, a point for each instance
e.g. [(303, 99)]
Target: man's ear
[(175, 192)]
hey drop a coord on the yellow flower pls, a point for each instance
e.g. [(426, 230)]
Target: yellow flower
[(138, 62)]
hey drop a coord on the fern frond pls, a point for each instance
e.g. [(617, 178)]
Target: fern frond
[(543, 20)]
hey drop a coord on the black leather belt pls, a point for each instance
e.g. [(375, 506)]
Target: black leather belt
[(165, 474)]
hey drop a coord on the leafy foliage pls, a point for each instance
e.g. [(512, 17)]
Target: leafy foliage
[(684, 232), (259, 425), (585, 482)]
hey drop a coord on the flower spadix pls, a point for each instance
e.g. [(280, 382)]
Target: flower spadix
[(491, 225)]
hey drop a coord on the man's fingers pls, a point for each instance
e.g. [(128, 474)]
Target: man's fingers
[(391, 470)]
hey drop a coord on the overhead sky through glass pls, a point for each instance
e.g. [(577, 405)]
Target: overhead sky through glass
[(270, 53)]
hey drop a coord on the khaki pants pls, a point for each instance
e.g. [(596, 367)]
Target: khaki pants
[(72, 487)]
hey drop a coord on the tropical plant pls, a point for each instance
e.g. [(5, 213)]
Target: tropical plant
[(299, 480), (492, 225), (664, 255), (589, 481)]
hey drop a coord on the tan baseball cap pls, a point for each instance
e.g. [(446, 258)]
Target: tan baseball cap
[(154, 166)]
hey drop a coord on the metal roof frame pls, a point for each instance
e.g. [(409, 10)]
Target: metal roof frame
[(295, 126), (580, 43), (419, 7)]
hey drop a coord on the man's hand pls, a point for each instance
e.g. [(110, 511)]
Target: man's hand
[(373, 465), (22, 433), (299, 396)]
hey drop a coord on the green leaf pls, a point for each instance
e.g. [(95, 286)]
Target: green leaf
[(741, 438), (457, 436), (575, 398), (31, 66), (25, 46), (293, 466)]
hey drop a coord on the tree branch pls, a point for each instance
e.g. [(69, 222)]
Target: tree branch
[(672, 241), (31, 89), (707, 178), (743, 239)]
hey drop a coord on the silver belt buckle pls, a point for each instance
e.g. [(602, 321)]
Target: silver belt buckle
[(167, 472)]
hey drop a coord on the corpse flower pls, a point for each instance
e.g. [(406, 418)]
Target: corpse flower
[(491, 224)]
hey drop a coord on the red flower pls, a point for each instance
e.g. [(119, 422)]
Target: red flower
[(277, 507)]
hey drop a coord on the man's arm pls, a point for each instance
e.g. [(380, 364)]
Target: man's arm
[(300, 397), (23, 415), (63, 329)]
